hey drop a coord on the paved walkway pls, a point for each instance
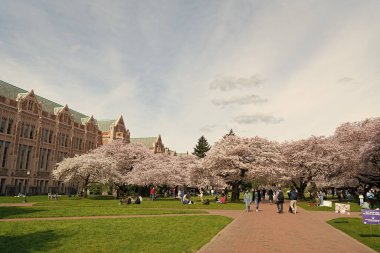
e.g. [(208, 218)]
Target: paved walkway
[(16, 204), (267, 231)]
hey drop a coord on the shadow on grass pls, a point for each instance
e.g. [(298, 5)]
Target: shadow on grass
[(343, 221), (369, 235), (14, 211), (39, 241)]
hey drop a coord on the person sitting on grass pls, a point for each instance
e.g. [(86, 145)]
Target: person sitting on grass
[(129, 201), (138, 200), (186, 199), (206, 202), (222, 200)]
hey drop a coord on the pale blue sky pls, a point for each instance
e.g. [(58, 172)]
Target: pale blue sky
[(278, 69)]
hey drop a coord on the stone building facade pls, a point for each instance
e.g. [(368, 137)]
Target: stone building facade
[(36, 133)]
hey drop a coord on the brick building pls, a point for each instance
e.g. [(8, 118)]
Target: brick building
[(36, 133)]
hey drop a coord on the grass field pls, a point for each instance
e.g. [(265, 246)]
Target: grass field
[(42, 207), (354, 227), (10, 212), (158, 234), (159, 203), (305, 205)]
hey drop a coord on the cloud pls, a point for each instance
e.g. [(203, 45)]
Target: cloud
[(250, 99), (75, 48), (232, 83), (257, 118), (208, 128), (345, 79)]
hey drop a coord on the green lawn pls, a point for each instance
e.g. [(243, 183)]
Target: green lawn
[(158, 234), (64, 207), (160, 203), (354, 227), (67, 211), (305, 205), (11, 199)]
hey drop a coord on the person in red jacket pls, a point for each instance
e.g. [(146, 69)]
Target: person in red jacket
[(152, 193)]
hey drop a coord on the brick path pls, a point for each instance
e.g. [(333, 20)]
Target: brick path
[(267, 231), (16, 204)]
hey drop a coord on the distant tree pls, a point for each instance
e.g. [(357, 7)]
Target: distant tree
[(202, 147), (231, 133)]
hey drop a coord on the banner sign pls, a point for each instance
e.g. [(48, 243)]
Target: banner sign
[(371, 217), (327, 203), (342, 208)]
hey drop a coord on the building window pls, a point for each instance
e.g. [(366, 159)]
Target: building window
[(10, 124), (4, 147), (31, 133), (30, 105), (3, 123)]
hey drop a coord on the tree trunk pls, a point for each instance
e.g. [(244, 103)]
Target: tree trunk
[(85, 187), (300, 189), (85, 191), (235, 191)]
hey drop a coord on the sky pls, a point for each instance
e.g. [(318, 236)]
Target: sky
[(282, 70)]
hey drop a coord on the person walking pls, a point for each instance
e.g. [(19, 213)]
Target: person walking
[(320, 198), (247, 200), (270, 194), (293, 196), (263, 195), (280, 200), (371, 198), (257, 198), (361, 199)]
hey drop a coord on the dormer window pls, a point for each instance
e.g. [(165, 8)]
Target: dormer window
[(30, 105)]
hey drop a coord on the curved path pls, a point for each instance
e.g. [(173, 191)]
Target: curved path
[(267, 231)]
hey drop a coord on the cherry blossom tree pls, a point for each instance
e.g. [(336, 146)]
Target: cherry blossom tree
[(163, 169), (86, 169), (235, 159), (370, 159), (127, 156), (315, 159), (356, 139)]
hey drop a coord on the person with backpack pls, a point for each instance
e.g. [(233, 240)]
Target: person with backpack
[(256, 198), (280, 200), (293, 196)]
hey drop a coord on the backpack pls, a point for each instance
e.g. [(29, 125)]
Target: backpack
[(293, 195), (280, 197)]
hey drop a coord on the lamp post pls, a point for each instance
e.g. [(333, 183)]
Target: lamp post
[(26, 182)]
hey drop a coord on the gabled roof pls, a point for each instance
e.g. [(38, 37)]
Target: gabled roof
[(10, 91), (104, 125), (146, 141)]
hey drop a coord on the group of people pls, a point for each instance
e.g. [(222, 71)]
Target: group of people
[(365, 199), (130, 200), (276, 196)]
